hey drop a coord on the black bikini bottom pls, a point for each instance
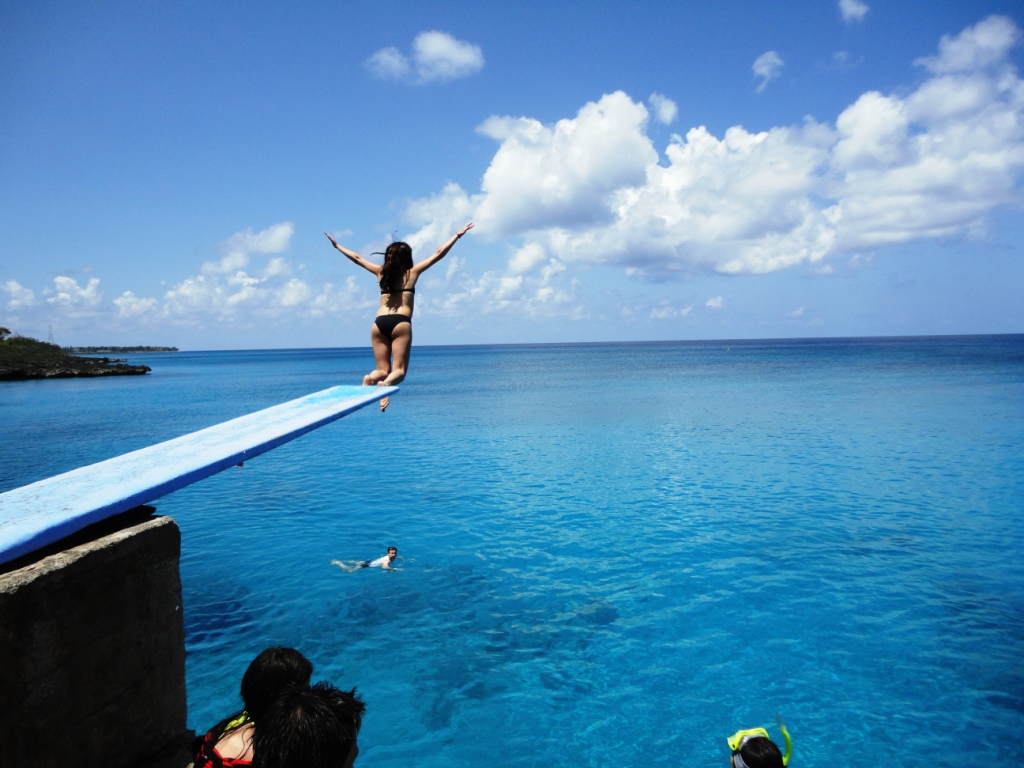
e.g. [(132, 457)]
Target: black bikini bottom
[(386, 323)]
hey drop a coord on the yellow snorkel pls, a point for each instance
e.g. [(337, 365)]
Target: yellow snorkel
[(737, 740)]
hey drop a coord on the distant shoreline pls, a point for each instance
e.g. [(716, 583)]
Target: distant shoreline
[(115, 350), (23, 358)]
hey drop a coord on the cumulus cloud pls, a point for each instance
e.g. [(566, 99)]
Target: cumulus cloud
[(542, 293), (978, 47), (439, 56), (767, 67), (70, 295), (436, 56), (129, 305), (853, 10), (526, 258), (566, 174), (667, 312), (715, 303), (21, 297), (211, 296), (798, 312), (388, 64), (665, 110), (277, 267), (241, 245), (592, 189)]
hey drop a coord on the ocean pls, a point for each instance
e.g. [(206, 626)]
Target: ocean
[(614, 554)]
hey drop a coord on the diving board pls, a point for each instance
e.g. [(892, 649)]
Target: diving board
[(45, 512)]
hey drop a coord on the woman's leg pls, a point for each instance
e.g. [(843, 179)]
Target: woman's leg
[(381, 355), (401, 347)]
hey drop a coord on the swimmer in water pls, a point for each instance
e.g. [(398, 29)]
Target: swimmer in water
[(381, 562), (391, 332)]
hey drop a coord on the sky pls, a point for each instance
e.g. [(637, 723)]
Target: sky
[(637, 171)]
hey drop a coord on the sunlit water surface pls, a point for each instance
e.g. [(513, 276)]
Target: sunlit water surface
[(617, 554)]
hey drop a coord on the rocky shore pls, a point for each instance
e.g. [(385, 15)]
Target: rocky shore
[(23, 358)]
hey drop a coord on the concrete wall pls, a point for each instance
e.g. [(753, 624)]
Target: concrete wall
[(92, 650)]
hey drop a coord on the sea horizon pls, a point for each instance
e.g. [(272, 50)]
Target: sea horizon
[(527, 345)]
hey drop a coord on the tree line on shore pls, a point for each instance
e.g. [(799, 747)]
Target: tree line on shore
[(22, 357)]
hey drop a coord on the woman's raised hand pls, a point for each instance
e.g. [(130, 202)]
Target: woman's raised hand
[(333, 241), (464, 230)]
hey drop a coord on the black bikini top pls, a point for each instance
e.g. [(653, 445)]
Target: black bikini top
[(404, 290)]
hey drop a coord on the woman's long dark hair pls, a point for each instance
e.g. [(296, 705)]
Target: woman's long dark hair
[(269, 673), (397, 261)]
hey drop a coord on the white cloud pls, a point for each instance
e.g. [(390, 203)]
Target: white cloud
[(439, 56), (277, 267), (564, 175), (294, 293), (21, 297), (664, 108), (436, 56), (592, 189), (241, 245), (129, 305), (388, 64), (986, 43), (796, 313), (526, 258), (70, 295), (203, 299), (667, 312), (242, 298), (438, 216), (715, 303), (853, 10), (767, 67)]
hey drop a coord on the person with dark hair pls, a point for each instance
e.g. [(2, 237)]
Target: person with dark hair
[(391, 332), (757, 752), (313, 727), (751, 748), (230, 742), (381, 562)]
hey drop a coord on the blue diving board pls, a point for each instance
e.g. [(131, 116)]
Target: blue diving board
[(42, 513)]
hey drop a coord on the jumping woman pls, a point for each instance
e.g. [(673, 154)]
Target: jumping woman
[(391, 332)]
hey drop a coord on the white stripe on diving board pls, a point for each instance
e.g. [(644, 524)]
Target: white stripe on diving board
[(44, 512)]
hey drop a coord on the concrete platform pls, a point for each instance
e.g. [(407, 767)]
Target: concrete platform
[(42, 513)]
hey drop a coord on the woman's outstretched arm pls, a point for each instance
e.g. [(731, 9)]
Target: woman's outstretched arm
[(441, 252), (356, 258)]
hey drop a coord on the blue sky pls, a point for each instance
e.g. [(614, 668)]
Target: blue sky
[(637, 171)]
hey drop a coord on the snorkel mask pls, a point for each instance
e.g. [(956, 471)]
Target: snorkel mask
[(738, 739)]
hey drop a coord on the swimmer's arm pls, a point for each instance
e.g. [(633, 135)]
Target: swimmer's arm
[(354, 257), (441, 252)]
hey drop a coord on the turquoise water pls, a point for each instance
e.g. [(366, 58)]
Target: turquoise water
[(620, 554)]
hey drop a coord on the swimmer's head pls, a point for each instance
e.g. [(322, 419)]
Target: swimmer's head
[(392, 552), (269, 673), (757, 752)]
